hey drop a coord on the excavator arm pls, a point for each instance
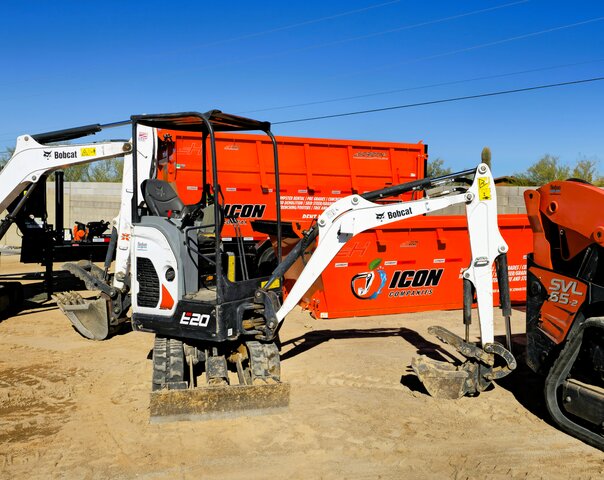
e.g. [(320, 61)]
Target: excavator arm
[(31, 161), (354, 214)]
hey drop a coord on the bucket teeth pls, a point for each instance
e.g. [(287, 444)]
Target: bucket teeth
[(88, 316), (444, 380)]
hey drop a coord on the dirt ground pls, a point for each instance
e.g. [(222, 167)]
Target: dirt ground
[(72, 408)]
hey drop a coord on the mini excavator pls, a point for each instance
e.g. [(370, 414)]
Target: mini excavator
[(216, 309)]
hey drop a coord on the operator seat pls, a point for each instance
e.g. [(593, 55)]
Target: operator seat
[(161, 199)]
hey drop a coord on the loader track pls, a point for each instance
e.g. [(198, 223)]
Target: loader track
[(558, 380), (168, 364)]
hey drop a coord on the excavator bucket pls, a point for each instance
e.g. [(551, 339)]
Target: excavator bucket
[(204, 403), (444, 380), (440, 379), (88, 316)]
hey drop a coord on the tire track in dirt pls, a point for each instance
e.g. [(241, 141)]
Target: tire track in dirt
[(33, 401)]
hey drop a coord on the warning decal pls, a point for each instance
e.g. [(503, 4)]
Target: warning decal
[(484, 188), (88, 152)]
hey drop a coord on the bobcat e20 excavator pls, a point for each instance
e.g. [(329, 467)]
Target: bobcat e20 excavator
[(216, 309), (565, 304)]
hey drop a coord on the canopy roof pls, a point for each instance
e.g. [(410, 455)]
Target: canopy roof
[(194, 122)]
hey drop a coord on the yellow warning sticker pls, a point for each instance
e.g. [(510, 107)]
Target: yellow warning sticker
[(276, 284), (484, 188), (88, 152)]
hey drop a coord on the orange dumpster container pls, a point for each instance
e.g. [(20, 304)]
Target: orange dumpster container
[(414, 265), (314, 173)]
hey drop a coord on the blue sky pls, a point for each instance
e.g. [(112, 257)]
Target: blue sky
[(69, 63)]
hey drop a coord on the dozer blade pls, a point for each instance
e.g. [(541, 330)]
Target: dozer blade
[(88, 316), (211, 402), (443, 380)]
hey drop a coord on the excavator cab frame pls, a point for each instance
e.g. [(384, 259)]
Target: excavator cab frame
[(219, 281)]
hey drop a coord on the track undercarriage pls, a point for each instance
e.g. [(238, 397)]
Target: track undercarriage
[(574, 385), (203, 380)]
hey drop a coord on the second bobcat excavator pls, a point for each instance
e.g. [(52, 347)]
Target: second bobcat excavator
[(23, 197)]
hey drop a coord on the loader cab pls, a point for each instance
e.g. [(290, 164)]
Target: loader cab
[(189, 281)]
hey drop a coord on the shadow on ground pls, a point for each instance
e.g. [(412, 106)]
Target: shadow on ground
[(523, 383), (314, 338), (435, 351)]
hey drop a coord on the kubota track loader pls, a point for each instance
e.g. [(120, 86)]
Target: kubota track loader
[(565, 304)]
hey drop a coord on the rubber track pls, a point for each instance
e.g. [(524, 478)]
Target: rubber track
[(168, 362)]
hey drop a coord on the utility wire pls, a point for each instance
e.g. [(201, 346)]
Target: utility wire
[(299, 24), (474, 47), (422, 87), (249, 59), (444, 100), (291, 51), (400, 29)]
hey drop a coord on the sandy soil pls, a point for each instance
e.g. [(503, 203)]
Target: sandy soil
[(71, 408)]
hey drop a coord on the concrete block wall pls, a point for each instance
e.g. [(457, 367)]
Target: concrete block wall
[(87, 201), (83, 202), (509, 200)]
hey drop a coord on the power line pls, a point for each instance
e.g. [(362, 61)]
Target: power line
[(402, 28), (258, 34), (423, 87), (282, 53), (294, 25), (444, 100), (300, 24), (476, 47)]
